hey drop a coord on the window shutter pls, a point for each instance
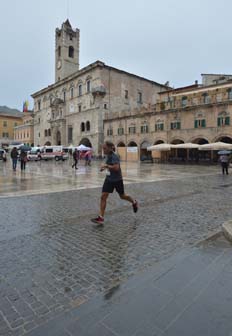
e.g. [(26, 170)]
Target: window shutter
[(178, 125), (171, 125), (219, 121), (196, 124), (162, 127), (227, 120), (203, 123)]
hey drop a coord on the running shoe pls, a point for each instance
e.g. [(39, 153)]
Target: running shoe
[(135, 206), (98, 220)]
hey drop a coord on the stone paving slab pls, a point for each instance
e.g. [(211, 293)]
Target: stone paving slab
[(53, 260), (201, 306)]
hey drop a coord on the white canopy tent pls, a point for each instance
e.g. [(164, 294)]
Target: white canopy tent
[(186, 145), (83, 148), (159, 147), (215, 146)]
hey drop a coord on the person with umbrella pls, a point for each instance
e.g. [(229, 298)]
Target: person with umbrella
[(23, 159), (224, 160)]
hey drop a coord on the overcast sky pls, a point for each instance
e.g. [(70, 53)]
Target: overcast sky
[(163, 41)]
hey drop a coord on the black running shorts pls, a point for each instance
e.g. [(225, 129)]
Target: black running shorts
[(109, 186)]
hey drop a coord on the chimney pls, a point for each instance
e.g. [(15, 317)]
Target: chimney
[(196, 82)]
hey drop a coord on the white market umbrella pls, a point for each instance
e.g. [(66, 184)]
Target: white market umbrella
[(185, 145), (159, 147), (83, 148), (215, 146)]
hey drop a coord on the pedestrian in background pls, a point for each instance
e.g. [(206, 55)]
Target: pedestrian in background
[(75, 158), (224, 159), (23, 159), (14, 156), (113, 181), (88, 158)]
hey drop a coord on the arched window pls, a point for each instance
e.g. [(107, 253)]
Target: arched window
[(80, 89), (88, 86), (87, 126), (82, 127), (71, 52), (45, 133), (49, 132), (71, 92)]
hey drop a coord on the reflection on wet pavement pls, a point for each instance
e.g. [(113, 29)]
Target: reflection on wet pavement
[(46, 177), (53, 259)]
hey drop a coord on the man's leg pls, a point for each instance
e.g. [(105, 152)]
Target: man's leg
[(104, 197), (119, 186)]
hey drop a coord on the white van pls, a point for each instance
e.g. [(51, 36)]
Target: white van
[(53, 152)]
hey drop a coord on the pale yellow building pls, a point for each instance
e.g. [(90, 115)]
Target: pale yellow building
[(25, 132), (197, 114), (9, 119)]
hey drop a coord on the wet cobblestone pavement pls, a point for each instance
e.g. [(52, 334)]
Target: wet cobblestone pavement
[(53, 259)]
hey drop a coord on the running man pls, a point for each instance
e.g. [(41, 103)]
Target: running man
[(112, 181)]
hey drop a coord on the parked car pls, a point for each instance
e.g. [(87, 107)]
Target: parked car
[(3, 155)]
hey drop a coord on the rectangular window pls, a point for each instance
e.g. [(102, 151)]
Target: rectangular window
[(198, 123), (140, 98), (79, 108), (126, 94), (4, 123), (223, 121), (132, 130), (105, 106), (110, 131), (64, 96), (72, 91), (159, 127), (175, 125), (15, 124), (70, 134), (120, 131), (144, 129)]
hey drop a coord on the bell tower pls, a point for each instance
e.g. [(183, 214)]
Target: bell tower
[(67, 51)]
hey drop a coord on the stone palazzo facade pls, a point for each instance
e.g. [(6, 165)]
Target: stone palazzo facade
[(73, 109), (197, 113)]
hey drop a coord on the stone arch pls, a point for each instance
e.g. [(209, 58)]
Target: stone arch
[(47, 143), (86, 142), (158, 142), (177, 141), (144, 153), (132, 144), (224, 138), (199, 141), (121, 144)]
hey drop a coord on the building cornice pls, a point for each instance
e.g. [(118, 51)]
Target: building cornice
[(97, 64)]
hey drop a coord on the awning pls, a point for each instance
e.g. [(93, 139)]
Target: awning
[(215, 146), (186, 145), (159, 147)]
